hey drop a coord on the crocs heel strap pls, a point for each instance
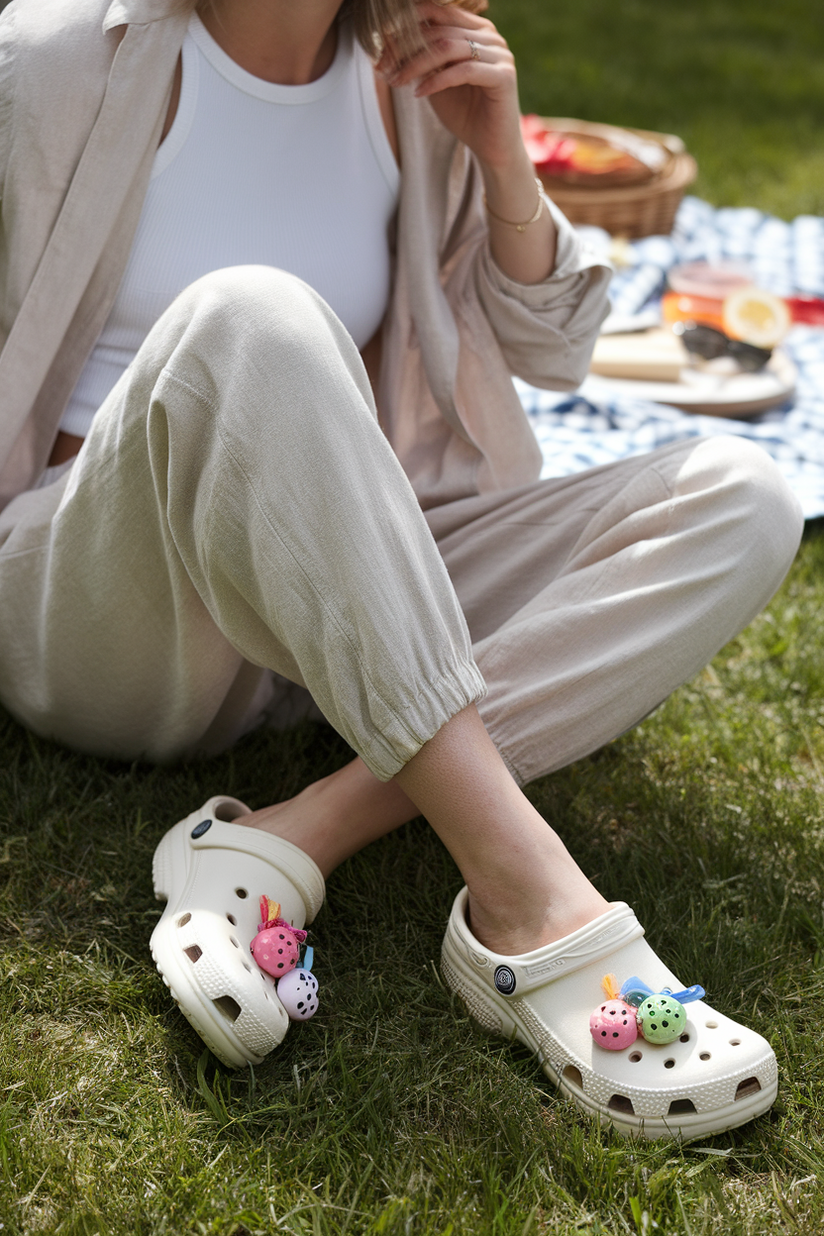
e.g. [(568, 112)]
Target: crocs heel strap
[(595, 942), (219, 807)]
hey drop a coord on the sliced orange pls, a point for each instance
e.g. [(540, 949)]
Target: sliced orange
[(756, 317)]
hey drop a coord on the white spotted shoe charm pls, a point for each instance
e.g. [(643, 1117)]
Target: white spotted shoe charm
[(298, 991)]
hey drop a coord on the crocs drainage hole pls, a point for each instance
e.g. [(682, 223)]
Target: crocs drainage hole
[(228, 1007), (735, 1042), (669, 1064), (234, 941), (681, 1107), (705, 1055), (184, 919), (750, 1085), (635, 1056), (711, 1025), (193, 952), (232, 919), (242, 893), (620, 1103), (573, 1075), (685, 1038)]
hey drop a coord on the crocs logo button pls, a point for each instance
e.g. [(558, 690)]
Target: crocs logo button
[(504, 980), (201, 828)]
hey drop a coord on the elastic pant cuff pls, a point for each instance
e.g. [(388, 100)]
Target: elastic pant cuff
[(406, 732)]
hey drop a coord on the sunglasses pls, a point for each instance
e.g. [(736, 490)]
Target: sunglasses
[(709, 343)]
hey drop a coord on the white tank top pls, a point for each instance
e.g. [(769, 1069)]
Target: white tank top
[(298, 177)]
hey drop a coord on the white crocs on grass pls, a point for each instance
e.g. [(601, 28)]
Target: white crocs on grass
[(716, 1076), (212, 874)]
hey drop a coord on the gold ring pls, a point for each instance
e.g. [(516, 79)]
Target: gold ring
[(474, 54)]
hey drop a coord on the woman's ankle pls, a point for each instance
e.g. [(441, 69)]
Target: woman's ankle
[(522, 930)]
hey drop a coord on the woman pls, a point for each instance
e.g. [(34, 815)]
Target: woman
[(227, 517)]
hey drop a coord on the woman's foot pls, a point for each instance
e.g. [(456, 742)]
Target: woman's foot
[(701, 1075), (514, 933), (211, 874), (334, 818)]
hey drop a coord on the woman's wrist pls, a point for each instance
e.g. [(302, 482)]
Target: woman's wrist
[(520, 225), (510, 190), (522, 234)]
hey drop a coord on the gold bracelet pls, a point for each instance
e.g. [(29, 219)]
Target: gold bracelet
[(520, 227)]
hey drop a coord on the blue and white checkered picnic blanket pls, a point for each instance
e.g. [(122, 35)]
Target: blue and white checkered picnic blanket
[(576, 433)]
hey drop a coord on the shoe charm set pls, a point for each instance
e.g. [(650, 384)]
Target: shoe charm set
[(277, 950), (659, 1017)]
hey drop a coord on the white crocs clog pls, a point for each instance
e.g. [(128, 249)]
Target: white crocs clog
[(212, 874), (715, 1076)]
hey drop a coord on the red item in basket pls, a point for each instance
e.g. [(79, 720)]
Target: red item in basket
[(577, 156), (550, 152)]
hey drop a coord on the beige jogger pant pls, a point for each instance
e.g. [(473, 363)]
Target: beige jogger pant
[(236, 510)]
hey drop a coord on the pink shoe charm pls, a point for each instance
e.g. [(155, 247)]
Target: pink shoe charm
[(613, 1025), (276, 948), (659, 1017)]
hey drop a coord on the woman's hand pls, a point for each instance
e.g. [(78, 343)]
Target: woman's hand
[(467, 72)]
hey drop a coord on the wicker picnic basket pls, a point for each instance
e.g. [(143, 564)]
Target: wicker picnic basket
[(641, 209)]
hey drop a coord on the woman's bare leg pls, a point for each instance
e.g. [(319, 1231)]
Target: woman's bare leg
[(525, 890)]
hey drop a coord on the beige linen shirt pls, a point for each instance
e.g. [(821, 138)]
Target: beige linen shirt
[(84, 90)]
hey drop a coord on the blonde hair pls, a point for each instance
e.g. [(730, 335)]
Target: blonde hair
[(373, 20)]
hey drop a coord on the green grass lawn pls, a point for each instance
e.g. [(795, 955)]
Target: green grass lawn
[(390, 1112), (742, 83)]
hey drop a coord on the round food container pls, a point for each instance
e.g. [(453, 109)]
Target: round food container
[(713, 280)]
